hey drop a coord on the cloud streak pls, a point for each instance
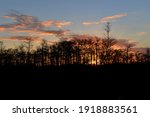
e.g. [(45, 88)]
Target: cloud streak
[(31, 24), (113, 17), (106, 19), (90, 23), (2, 29), (56, 23), (22, 38), (25, 39), (141, 33)]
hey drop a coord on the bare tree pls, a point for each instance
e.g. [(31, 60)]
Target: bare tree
[(22, 54), (97, 45), (44, 52), (28, 44), (107, 43)]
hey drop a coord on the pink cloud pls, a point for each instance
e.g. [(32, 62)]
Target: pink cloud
[(30, 24), (61, 24), (26, 38), (141, 33), (47, 23), (22, 38), (113, 17), (90, 23), (2, 29), (106, 19)]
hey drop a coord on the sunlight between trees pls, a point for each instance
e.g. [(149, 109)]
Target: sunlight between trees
[(74, 49)]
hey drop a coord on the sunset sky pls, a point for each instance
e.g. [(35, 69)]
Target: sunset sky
[(49, 19)]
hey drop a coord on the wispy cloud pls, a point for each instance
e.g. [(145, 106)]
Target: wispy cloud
[(90, 23), (44, 33), (106, 19), (113, 17), (61, 24), (22, 38), (53, 32), (2, 29), (25, 38), (141, 33), (31, 24), (56, 23)]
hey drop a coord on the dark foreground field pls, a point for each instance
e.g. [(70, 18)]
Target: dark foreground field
[(75, 82)]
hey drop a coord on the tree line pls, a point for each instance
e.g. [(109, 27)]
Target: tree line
[(76, 49)]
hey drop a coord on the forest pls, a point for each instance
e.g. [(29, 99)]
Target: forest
[(77, 67), (74, 49)]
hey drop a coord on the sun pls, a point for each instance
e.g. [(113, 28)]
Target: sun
[(93, 62)]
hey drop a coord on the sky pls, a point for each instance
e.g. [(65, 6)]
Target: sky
[(51, 19)]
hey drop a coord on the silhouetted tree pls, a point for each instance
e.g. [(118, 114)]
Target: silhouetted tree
[(78, 49), (147, 55), (1, 52), (139, 57), (128, 45), (107, 43), (21, 54), (28, 45), (44, 52), (97, 49)]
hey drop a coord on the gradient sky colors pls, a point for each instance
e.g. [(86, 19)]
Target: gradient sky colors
[(130, 19)]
